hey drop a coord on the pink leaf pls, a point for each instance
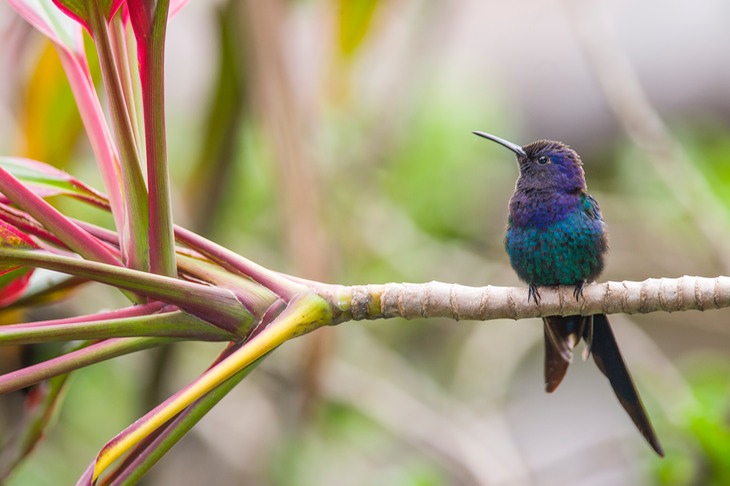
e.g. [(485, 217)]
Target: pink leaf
[(176, 6), (141, 17), (52, 23), (67, 36)]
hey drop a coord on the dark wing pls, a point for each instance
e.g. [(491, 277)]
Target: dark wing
[(608, 358), (588, 337)]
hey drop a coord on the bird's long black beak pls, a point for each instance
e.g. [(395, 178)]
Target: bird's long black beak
[(512, 146)]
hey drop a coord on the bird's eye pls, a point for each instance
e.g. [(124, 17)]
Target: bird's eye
[(542, 160)]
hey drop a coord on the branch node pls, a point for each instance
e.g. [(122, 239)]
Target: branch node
[(484, 301), (512, 305), (454, 303), (361, 299)]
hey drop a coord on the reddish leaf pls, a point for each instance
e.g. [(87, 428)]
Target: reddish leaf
[(13, 279), (13, 284), (141, 16), (116, 4), (175, 7), (12, 237)]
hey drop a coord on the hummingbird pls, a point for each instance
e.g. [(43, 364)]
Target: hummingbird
[(556, 236)]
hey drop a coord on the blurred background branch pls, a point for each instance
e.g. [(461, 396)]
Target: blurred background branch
[(643, 125), (289, 131)]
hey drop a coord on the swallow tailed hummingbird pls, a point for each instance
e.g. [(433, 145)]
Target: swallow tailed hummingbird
[(556, 236)]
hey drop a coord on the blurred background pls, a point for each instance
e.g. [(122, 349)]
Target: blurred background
[(331, 139)]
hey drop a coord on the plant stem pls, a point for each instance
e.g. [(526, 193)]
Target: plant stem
[(176, 324), (94, 353), (142, 458), (134, 240), (92, 116), (218, 306), (151, 54), (53, 220), (124, 60), (305, 313), (280, 285)]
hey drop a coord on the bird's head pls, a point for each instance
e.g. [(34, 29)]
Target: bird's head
[(546, 165)]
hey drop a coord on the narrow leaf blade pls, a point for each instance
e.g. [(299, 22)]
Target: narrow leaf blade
[(47, 181), (52, 22)]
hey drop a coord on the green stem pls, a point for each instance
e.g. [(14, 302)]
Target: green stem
[(151, 54), (92, 116), (124, 62), (285, 288), (176, 324), (218, 306), (94, 353), (257, 297), (135, 245)]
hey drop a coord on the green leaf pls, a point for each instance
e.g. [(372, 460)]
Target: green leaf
[(76, 9), (47, 181), (82, 10)]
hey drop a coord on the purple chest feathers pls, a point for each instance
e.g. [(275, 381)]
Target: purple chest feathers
[(540, 209)]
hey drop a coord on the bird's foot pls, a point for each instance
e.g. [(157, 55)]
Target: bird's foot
[(578, 291), (533, 293)]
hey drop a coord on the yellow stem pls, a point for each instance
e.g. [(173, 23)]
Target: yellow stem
[(304, 314)]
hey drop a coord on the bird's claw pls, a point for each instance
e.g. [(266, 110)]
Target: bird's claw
[(578, 291), (533, 293)]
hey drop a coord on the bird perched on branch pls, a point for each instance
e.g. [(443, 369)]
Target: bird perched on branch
[(556, 236)]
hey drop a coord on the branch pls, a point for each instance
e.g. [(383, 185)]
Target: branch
[(437, 299)]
